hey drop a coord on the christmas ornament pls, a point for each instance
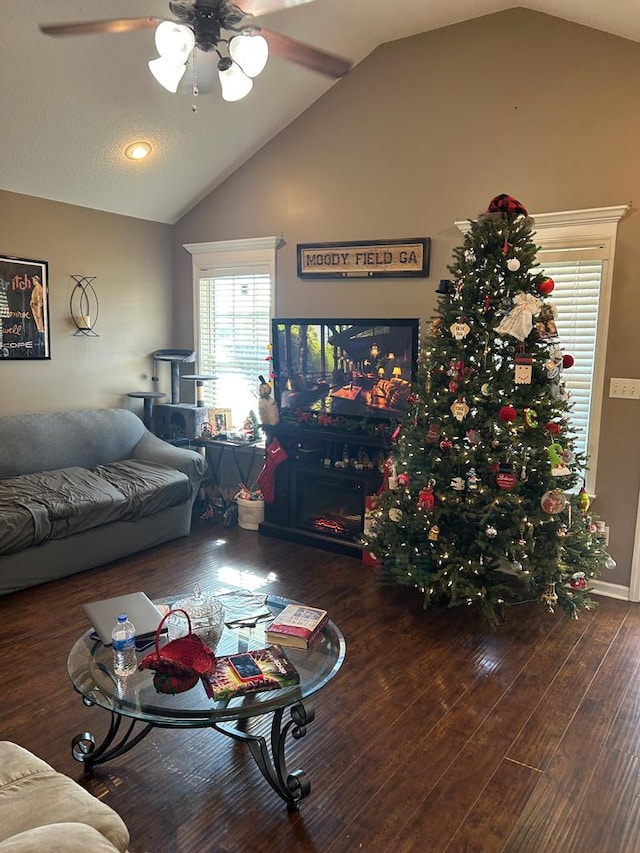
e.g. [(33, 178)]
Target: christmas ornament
[(506, 478), (553, 501), (426, 498), (531, 418), (457, 484), (583, 500), (568, 361), (473, 437), (550, 596), (444, 286), (507, 205), (395, 514), (445, 445), (507, 414), (546, 322), (505, 248), (460, 409), (519, 321), (433, 534), (513, 264), (491, 531), (546, 287), (453, 386), (485, 389), (404, 480), (434, 431), (558, 468), (561, 532), (524, 369), (470, 256), (472, 480), (578, 580), (459, 330), (610, 563), (553, 428)]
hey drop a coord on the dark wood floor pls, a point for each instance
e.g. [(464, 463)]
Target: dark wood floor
[(437, 734)]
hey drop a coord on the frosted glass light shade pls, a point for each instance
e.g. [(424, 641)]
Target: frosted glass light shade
[(234, 83), (250, 52), (167, 72), (174, 41)]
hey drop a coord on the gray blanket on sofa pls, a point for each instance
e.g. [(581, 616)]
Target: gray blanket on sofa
[(56, 504)]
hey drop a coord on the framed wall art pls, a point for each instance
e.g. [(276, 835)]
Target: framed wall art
[(365, 259), (24, 309)]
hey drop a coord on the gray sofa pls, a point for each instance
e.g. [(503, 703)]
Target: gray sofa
[(82, 488)]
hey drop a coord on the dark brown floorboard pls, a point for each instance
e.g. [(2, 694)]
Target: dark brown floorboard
[(436, 735)]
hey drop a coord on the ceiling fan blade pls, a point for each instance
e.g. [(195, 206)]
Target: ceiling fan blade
[(303, 54), (264, 7), (115, 25)]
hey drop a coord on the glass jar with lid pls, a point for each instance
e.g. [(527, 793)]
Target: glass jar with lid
[(206, 614)]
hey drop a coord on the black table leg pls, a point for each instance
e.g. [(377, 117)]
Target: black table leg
[(291, 786)]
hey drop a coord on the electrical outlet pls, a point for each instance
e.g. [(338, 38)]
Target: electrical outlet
[(627, 389)]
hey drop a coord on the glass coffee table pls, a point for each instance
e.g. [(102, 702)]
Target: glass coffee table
[(136, 707)]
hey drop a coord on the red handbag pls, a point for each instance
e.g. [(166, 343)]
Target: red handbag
[(179, 663)]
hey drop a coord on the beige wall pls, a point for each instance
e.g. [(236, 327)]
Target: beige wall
[(131, 260), (426, 131)]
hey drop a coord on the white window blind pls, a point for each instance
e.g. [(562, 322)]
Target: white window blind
[(235, 313), (234, 286), (576, 297)]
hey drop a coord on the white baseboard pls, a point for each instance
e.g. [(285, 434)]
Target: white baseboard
[(611, 590)]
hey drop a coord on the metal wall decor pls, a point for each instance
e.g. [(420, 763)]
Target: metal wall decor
[(24, 309), (84, 305)]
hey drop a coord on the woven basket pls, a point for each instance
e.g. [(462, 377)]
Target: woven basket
[(179, 663)]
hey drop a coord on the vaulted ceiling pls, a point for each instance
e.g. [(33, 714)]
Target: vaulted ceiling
[(70, 106)]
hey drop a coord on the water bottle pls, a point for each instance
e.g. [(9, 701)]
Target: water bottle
[(123, 639)]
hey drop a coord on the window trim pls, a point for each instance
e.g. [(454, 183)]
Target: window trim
[(592, 229)]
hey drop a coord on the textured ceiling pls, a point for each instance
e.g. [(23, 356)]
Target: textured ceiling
[(69, 106)]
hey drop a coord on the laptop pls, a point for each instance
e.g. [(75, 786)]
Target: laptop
[(103, 615)]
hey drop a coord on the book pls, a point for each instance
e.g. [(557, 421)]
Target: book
[(251, 672), (297, 626)]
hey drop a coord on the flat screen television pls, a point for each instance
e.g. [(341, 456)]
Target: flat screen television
[(354, 368)]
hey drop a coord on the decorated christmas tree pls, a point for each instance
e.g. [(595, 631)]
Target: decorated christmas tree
[(484, 504)]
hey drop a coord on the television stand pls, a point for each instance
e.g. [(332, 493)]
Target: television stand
[(321, 488)]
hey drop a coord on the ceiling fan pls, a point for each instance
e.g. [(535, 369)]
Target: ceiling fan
[(216, 27)]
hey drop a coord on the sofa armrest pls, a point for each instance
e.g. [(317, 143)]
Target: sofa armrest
[(154, 449)]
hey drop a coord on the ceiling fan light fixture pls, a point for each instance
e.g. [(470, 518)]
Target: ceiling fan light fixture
[(234, 82), (167, 72), (174, 41), (251, 51)]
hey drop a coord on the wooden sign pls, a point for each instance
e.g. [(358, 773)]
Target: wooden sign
[(365, 259)]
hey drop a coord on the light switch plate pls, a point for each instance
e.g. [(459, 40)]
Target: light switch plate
[(627, 389)]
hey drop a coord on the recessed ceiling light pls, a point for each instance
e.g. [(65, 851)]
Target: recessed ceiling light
[(137, 151)]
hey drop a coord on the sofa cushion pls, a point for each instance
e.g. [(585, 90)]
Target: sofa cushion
[(59, 838), (33, 794), (60, 503), (148, 486)]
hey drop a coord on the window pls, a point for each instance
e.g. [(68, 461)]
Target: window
[(233, 301), (576, 250)]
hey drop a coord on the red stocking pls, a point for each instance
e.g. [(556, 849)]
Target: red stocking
[(275, 454)]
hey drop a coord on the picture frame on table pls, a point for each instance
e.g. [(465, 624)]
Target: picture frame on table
[(220, 420)]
